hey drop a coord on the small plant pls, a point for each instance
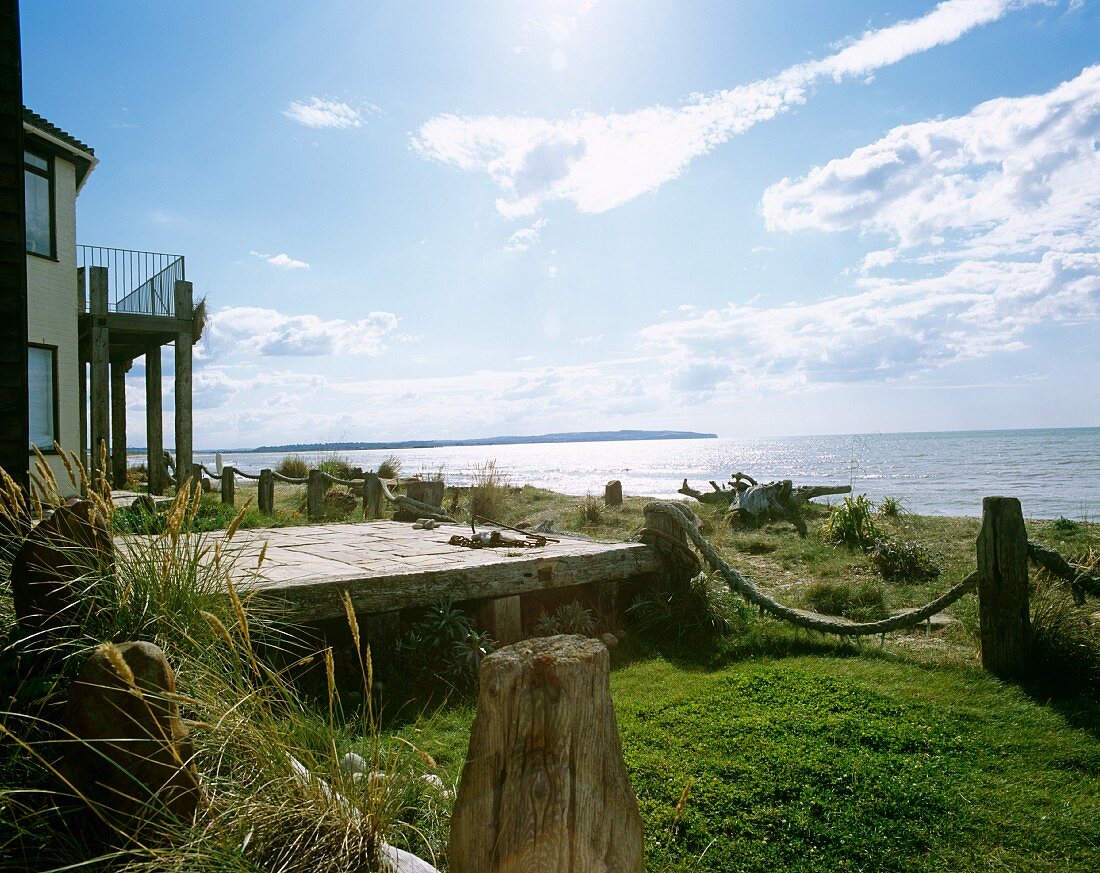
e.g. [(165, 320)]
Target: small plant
[(390, 468), (591, 510), (569, 618), (851, 523), (293, 466), (903, 561), (445, 647), (701, 611), (337, 466), (340, 501), (892, 507), (1064, 525), (859, 601)]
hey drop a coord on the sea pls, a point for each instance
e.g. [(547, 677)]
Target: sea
[(1054, 472)]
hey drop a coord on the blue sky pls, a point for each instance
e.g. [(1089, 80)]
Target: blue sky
[(458, 220)]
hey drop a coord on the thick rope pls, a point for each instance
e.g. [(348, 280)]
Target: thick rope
[(828, 624), (1081, 580)]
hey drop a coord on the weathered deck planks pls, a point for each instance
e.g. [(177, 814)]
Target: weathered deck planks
[(387, 566)]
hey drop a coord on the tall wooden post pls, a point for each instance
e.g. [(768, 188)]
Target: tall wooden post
[(545, 786), (315, 495), (1002, 588), (229, 486), (265, 493), (82, 370), (154, 421), (100, 400), (118, 423), (184, 448), (613, 493)]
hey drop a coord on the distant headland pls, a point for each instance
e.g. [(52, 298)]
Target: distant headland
[(594, 436)]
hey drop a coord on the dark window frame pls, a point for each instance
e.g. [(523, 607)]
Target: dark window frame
[(51, 180), (48, 450)]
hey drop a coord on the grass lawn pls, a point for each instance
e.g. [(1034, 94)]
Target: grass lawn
[(851, 761)]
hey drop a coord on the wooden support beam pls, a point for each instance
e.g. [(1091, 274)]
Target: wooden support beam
[(504, 618), (265, 492), (1003, 607), (315, 495), (184, 449), (154, 422), (118, 423), (82, 370), (229, 485), (100, 399), (544, 786)]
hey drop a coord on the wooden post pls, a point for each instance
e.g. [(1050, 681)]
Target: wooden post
[(118, 422), (428, 491), (544, 786), (154, 422), (184, 449), (613, 493), (229, 485), (372, 496), (265, 493), (100, 401), (1002, 588), (82, 375), (315, 495)]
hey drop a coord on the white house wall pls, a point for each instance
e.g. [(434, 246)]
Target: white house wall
[(52, 315)]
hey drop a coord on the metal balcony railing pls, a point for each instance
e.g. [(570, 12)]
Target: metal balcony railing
[(139, 282)]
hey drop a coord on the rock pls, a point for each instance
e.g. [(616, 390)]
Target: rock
[(401, 861), (613, 493), (352, 764), (70, 544), (133, 759), (609, 640)]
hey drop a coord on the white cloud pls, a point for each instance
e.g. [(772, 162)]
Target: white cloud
[(525, 237), (243, 330), (602, 161), (889, 328), (587, 340), (558, 61), (552, 272), (321, 112), (282, 260), (1014, 175)]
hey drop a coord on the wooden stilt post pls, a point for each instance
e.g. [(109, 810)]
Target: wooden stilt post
[(184, 448), (118, 423), (505, 615), (315, 495), (613, 493), (545, 786), (154, 422), (229, 485), (1002, 588), (100, 401), (265, 496)]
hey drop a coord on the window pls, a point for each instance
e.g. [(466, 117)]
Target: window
[(38, 188), (42, 396)]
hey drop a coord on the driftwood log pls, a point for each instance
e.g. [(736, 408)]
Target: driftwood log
[(544, 787)]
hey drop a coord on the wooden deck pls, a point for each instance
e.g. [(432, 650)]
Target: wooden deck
[(388, 566)]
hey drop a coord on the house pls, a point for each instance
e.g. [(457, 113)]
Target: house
[(91, 311)]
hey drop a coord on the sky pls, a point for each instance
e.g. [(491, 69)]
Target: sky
[(749, 217)]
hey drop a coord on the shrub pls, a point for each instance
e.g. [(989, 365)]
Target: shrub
[(701, 611), (891, 507), (859, 601), (390, 468), (337, 466), (444, 647), (1065, 525), (340, 501), (487, 491), (903, 561), (1065, 641), (293, 466), (851, 523), (591, 510)]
